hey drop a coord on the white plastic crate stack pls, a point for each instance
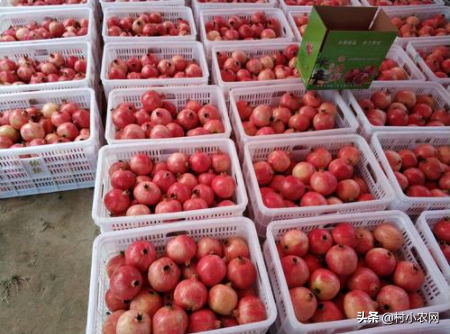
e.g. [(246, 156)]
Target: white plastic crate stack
[(368, 168), (160, 152), (106, 4), (109, 244), (434, 290), (396, 141), (53, 167), (179, 96), (291, 5), (424, 225), (346, 123), (366, 129)]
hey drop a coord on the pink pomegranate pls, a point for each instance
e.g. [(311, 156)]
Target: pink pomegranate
[(304, 303), (365, 280), (327, 311), (163, 274), (388, 236), (408, 276), (147, 301), (134, 322), (126, 282), (140, 254), (190, 294), (341, 259), (211, 270), (241, 272), (324, 283), (203, 320), (344, 234), (392, 299), (181, 249), (170, 319), (208, 246), (250, 309), (381, 261), (295, 242), (357, 301), (222, 299), (320, 241), (234, 247), (295, 270)]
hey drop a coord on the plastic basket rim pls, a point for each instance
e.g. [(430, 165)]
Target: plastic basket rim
[(109, 11), (213, 89), (368, 127), (319, 220), (42, 148), (317, 139), (287, 8), (117, 4), (181, 226), (244, 138), (244, 11), (100, 221), (152, 44), (88, 3), (377, 147), (436, 3)]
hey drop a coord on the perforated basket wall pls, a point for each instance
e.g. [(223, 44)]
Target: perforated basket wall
[(172, 14), (206, 15), (56, 167), (396, 141), (427, 46), (5, 5), (287, 8), (41, 51), (110, 244), (345, 121), (434, 290), (189, 50), (120, 4), (366, 3), (366, 129), (292, 14), (368, 168), (160, 152), (179, 96)]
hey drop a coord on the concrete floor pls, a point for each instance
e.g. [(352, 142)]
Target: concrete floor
[(45, 257)]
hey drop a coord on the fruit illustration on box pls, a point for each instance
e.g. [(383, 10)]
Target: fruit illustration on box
[(359, 77), (325, 72)]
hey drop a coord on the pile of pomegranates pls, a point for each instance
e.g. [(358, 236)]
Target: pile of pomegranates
[(51, 124), (158, 119), (390, 70), (423, 171), (258, 26), (29, 71), (293, 113), (317, 2), (404, 108), (400, 2), (195, 286), (438, 60), (412, 26), (240, 67), (441, 231), (332, 274), (47, 29), (319, 179), (20, 3), (147, 25), (181, 183), (150, 66), (301, 21)]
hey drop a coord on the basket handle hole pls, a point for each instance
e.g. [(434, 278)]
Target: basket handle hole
[(174, 234), (418, 260), (371, 173)]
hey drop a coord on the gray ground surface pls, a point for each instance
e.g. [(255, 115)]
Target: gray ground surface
[(46, 240)]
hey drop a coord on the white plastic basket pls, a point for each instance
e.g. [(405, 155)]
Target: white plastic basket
[(54, 167), (368, 168), (206, 15), (8, 19), (291, 14), (396, 141), (345, 121), (424, 226), (417, 328), (427, 46), (366, 129), (109, 244), (251, 50), (287, 8), (121, 4), (423, 14), (171, 14), (190, 50), (5, 5), (399, 55), (441, 3), (178, 96), (434, 290), (160, 152), (41, 51), (198, 6)]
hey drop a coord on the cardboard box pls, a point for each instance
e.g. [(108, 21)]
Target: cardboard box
[(343, 47)]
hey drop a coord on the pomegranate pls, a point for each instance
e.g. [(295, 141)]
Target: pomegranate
[(324, 183), (123, 179), (341, 259), (113, 303), (364, 240), (163, 274), (116, 201), (224, 186), (294, 242), (170, 319), (211, 270), (320, 241), (110, 325), (147, 193), (181, 249), (408, 276), (381, 261), (344, 234), (415, 300), (141, 164), (241, 272), (134, 322), (177, 163), (357, 301), (140, 254), (388, 236), (392, 299), (147, 301), (114, 263), (190, 294), (324, 283), (295, 270), (327, 311), (304, 303), (250, 309), (208, 246), (365, 280), (442, 230), (234, 247), (222, 299), (126, 282), (319, 158), (203, 320)]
